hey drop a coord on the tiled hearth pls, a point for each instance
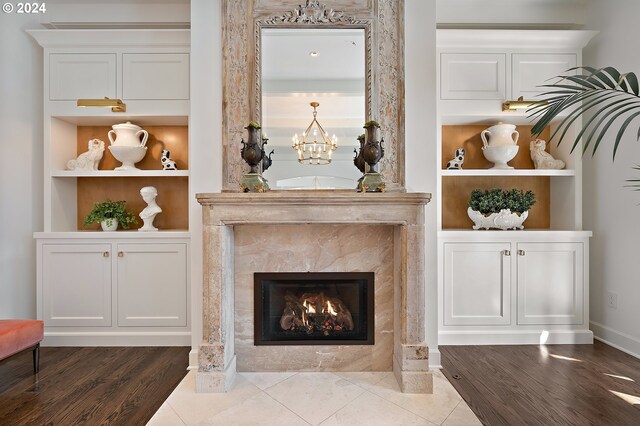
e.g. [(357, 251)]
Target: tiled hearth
[(313, 232), (327, 399)]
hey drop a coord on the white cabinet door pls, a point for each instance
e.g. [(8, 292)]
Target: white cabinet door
[(160, 76), (473, 76), (76, 284), (477, 283), (550, 283), (152, 284), (82, 75), (530, 70)]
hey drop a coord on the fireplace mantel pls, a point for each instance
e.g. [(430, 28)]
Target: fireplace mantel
[(403, 211)]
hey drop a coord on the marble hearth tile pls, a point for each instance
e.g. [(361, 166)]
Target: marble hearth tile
[(462, 416), (266, 380), (165, 416), (371, 410), (434, 407), (260, 410), (195, 407), (315, 396), (364, 379)]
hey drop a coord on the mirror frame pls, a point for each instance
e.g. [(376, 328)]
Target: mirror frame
[(243, 21)]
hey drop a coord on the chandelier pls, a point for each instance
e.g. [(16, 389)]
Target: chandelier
[(311, 150)]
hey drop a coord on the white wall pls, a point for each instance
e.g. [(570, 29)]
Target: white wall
[(205, 136), (510, 13), (420, 139), (21, 85), (610, 210), (21, 171)]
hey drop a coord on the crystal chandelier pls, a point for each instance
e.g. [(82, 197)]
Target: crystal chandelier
[(311, 150)]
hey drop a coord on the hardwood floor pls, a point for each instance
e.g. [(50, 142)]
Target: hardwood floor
[(546, 385), (89, 386)]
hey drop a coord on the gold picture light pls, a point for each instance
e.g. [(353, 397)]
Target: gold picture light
[(520, 104), (116, 105)]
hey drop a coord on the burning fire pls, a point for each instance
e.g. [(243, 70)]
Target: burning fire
[(315, 313)]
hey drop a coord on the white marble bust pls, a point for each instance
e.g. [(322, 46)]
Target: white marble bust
[(148, 214)]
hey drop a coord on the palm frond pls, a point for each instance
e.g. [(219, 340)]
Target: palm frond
[(606, 93)]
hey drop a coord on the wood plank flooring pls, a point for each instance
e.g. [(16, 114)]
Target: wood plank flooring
[(89, 386), (546, 385)]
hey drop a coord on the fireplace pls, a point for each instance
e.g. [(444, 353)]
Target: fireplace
[(322, 308)]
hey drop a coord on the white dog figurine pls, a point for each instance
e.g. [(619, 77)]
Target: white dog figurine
[(541, 158), (457, 161), (167, 162), (88, 160)]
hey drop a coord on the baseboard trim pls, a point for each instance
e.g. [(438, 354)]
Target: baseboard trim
[(514, 337), (621, 341), (193, 359), (434, 358), (52, 338)]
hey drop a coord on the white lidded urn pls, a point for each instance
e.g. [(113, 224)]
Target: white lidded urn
[(126, 145), (499, 144)]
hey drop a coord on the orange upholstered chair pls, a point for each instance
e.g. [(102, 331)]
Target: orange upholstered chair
[(19, 335)]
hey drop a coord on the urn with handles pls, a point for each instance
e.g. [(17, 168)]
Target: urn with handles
[(500, 144)]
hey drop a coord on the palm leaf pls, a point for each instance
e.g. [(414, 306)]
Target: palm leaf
[(605, 92), (635, 182)]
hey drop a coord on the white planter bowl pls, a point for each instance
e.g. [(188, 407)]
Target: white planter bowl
[(109, 224), (500, 155), (128, 155), (503, 220)]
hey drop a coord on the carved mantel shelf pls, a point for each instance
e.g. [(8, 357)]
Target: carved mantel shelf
[(222, 212)]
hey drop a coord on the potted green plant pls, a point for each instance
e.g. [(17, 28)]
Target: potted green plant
[(500, 209), (605, 95), (109, 214)]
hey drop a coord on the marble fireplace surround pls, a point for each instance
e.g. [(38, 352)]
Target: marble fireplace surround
[(404, 212)]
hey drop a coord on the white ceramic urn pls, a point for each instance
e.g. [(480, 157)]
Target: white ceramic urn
[(500, 135), (127, 134)]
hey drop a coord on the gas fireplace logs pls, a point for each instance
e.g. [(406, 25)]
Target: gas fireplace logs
[(315, 313)]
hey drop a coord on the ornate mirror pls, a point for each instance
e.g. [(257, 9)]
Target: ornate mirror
[(270, 77)]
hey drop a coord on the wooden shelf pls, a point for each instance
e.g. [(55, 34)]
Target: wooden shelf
[(512, 172), (115, 173)]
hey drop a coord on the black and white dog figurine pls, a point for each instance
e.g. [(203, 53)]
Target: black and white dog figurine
[(457, 161), (167, 163)]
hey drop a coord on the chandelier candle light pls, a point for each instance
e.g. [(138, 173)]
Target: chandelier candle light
[(311, 150)]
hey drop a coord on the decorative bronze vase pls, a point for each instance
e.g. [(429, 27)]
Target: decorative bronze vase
[(372, 152), (253, 153)]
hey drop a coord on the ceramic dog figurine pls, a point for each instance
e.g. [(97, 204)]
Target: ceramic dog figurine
[(88, 160), (456, 162), (541, 158), (167, 162)]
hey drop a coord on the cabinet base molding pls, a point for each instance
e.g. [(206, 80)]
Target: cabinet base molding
[(514, 337), (169, 338)]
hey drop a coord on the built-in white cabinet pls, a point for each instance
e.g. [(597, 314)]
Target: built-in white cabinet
[(531, 70), (124, 287), (477, 288), (76, 284), (151, 284), (514, 287), (550, 283), (99, 288), (82, 75), (473, 76)]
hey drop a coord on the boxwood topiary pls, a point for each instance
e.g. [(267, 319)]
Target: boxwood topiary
[(496, 199)]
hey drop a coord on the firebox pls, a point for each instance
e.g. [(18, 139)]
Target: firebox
[(314, 308)]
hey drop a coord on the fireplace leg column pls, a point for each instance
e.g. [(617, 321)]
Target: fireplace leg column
[(216, 355), (411, 354)]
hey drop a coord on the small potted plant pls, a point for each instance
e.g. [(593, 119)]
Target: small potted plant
[(500, 209), (109, 214)]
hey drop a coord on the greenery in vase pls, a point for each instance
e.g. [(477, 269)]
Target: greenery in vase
[(254, 124), (111, 210), (605, 95), (361, 137), (371, 123), (496, 199)]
